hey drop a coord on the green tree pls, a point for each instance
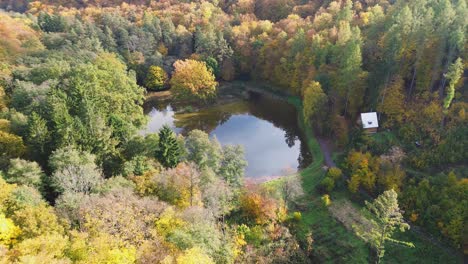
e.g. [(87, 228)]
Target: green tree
[(51, 23), (349, 77), (454, 74), (24, 172), (232, 166), (74, 171), (388, 217), (38, 135), (327, 184), (212, 65), (169, 152), (97, 108), (156, 78), (202, 150)]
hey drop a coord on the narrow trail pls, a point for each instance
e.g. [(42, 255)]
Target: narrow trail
[(325, 146)]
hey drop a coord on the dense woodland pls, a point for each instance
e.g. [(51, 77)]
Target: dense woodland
[(80, 183)]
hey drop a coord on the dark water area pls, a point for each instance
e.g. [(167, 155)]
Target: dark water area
[(267, 128)]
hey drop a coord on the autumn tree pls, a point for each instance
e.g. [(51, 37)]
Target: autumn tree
[(96, 217), (168, 152), (363, 168), (9, 231), (190, 177), (192, 79), (258, 208), (11, 146), (390, 175), (218, 197), (314, 100), (194, 256), (156, 78), (393, 103), (2, 99), (388, 218)]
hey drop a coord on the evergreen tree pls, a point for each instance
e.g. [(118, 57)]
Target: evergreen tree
[(51, 23), (169, 152), (388, 217), (454, 74)]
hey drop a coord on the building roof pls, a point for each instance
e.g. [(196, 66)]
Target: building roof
[(369, 120)]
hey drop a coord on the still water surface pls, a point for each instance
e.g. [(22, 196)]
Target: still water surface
[(267, 128)]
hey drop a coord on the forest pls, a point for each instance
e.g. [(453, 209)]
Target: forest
[(81, 183)]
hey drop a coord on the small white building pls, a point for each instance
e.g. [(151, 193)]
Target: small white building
[(369, 122)]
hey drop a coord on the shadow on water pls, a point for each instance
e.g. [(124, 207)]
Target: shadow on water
[(266, 127)]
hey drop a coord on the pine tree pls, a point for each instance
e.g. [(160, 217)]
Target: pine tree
[(454, 74), (388, 217), (169, 152)]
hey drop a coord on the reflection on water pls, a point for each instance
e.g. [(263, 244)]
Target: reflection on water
[(159, 118), (266, 127)]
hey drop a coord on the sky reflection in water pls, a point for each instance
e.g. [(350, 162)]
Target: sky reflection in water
[(266, 129)]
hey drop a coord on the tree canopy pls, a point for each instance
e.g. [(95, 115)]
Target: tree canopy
[(192, 80)]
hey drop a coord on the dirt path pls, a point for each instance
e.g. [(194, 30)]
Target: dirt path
[(325, 146)]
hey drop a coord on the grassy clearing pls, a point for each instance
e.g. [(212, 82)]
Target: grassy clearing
[(333, 243)]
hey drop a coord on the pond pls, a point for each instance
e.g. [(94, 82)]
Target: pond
[(267, 128)]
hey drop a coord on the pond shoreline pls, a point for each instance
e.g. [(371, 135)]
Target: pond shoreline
[(228, 92), (243, 101)]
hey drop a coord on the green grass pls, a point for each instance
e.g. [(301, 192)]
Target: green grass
[(423, 252), (333, 243)]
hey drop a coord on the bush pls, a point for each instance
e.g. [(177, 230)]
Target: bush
[(326, 200), (327, 184), (335, 173)]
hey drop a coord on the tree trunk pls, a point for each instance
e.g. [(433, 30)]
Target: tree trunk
[(381, 242), (412, 82), (444, 80)]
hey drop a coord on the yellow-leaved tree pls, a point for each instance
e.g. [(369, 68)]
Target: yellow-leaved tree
[(191, 79), (8, 231), (314, 100), (393, 103), (194, 256)]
